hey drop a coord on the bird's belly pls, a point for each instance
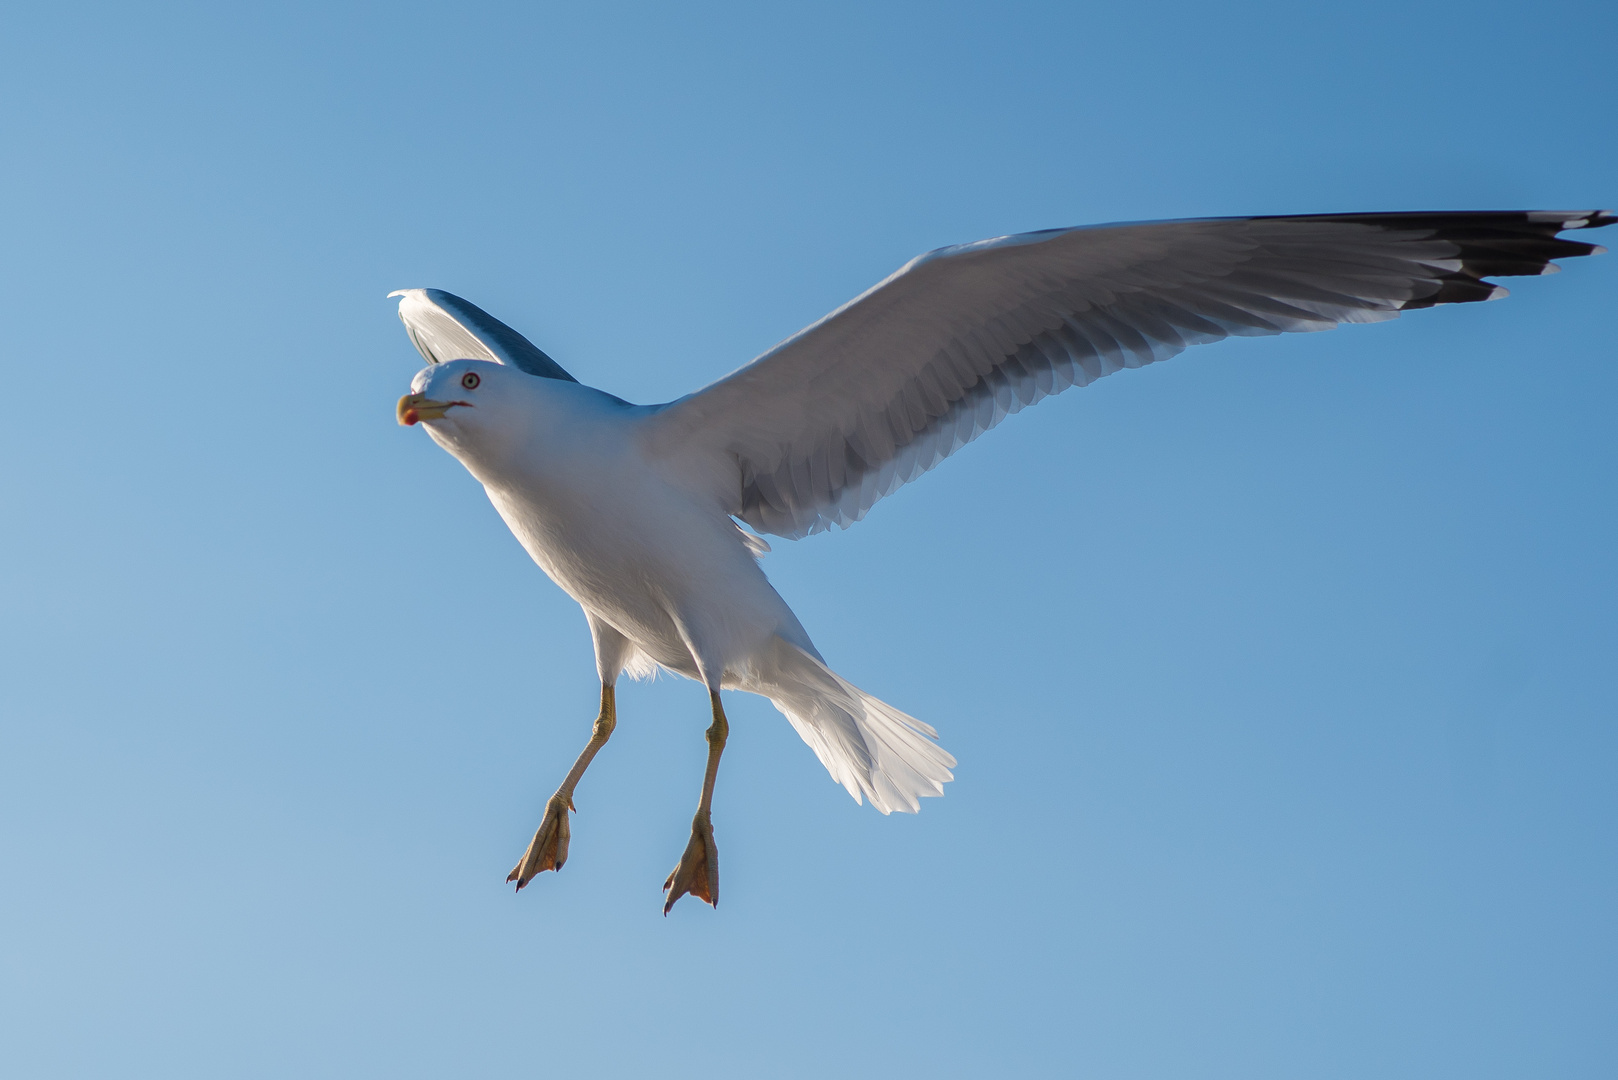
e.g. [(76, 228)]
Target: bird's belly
[(670, 579)]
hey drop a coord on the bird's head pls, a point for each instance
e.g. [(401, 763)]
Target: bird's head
[(467, 405)]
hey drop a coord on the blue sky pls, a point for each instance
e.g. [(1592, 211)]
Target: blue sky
[(1280, 675)]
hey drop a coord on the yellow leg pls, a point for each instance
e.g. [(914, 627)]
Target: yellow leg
[(698, 872), (548, 849)]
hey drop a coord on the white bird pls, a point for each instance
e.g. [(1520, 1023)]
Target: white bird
[(633, 509)]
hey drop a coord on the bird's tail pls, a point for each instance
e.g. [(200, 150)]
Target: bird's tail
[(868, 746)]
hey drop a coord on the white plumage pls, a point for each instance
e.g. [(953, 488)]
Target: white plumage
[(664, 575), (632, 509)]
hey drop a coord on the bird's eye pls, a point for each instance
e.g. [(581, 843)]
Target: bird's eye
[(470, 380)]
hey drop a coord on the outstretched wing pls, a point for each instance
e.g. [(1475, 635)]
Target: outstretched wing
[(443, 327), (884, 388)]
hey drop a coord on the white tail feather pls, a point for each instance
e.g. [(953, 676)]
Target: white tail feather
[(868, 746)]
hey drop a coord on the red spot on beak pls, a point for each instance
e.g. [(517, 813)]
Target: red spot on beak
[(410, 417)]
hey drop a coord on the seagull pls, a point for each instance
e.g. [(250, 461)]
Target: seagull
[(637, 511)]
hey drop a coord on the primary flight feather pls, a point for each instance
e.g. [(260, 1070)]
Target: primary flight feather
[(633, 509)]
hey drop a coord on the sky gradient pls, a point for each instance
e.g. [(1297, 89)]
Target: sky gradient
[(1280, 674)]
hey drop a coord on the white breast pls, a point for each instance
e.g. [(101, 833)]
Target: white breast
[(638, 549)]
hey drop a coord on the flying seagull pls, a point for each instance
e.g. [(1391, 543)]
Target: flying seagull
[(634, 510)]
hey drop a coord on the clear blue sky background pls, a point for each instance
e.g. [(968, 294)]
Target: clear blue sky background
[(1281, 675)]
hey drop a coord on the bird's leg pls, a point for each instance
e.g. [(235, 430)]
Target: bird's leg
[(698, 872), (548, 849)]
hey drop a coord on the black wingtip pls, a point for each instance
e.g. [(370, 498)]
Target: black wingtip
[(1488, 243), (1591, 219)]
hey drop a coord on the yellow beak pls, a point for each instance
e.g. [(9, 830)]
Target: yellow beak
[(414, 408)]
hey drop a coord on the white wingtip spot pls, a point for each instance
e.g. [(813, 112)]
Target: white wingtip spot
[(1550, 268), (1598, 250), (1500, 293)]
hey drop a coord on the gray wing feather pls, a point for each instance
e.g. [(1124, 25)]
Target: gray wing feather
[(443, 326), (880, 391)]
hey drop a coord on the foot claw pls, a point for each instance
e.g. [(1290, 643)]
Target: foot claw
[(548, 849), (698, 872)]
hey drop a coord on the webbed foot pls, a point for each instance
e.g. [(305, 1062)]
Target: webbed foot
[(698, 872), (548, 849)]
